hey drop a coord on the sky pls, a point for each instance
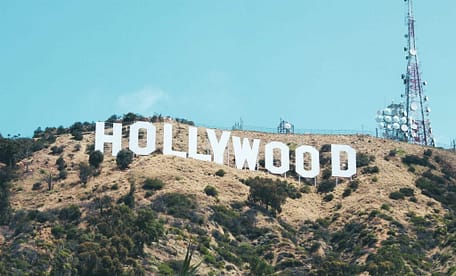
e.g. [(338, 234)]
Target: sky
[(318, 64)]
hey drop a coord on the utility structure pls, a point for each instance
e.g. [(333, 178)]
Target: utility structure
[(409, 120), (285, 127)]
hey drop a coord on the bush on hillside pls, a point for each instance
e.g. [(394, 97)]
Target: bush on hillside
[(84, 172), (326, 186), (153, 184), (363, 159), (220, 173), (211, 191), (396, 195), (269, 193), (124, 158), (96, 158)]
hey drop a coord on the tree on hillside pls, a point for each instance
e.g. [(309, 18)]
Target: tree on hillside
[(124, 158), (84, 172), (96, 158), (5, 208), (267, 192)]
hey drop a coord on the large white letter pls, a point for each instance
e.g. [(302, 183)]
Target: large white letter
[(244, 152), (335, 161), (101, 138), (168, 142), (315, 161), (218, 147), (193, 145), (284, 157), (150, 138)]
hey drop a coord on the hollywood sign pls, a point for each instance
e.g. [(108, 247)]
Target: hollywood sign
[(244, 151)]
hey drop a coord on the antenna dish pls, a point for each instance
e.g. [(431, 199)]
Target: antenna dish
[(396, 119), (287, 126), (388, 119), (396, 126), (413, 52), (404, 128), (414, 106)]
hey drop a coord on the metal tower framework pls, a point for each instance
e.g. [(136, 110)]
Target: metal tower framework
[(409, 120)]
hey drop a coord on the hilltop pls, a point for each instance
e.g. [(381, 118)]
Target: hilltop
[(396, 215)]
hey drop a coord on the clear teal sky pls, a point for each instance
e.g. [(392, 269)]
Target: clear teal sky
[(319, 64)]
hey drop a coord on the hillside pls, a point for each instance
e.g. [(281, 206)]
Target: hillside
[(395, 217)]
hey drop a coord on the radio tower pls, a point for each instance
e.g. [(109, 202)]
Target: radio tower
[(409, 120)]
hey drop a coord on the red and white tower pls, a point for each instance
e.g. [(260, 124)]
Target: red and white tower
[(409, 120)]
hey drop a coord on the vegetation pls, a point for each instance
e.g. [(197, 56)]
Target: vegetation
[(154, 184), (220, 173), (96, 158), (84, 172), (269, 193), (364, 159), (124, 159), (211, 191), (106, 229), (326, 186)]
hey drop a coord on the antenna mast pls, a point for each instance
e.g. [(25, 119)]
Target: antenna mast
[(409, 120), (417, 111)]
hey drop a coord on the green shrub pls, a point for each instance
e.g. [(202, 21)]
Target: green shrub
[(363, 159), (148, 194), (220, 173), (326, 174), (36, 186), (154, 184), (211, 191), (115, 186), (70, 213), (354, 184), (56, 150), (178, 205), (407, 191), (60, 162), (326, 186), (392, 153), (416, 160), (165, 269), (386, 207), (370, 170), (84, 172), (325, 148), (347, 192), (124, 158), (96, 158), (396, 195), (90, 148), (269, 193), (58, 231), (63, 174), (305, 189), (77, 135), (328, 197)]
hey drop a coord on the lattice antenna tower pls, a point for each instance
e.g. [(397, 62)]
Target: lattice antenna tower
[(409, 121)]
